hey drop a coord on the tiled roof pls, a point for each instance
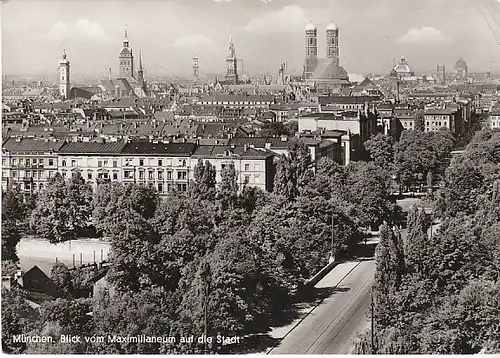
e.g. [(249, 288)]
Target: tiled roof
[(32, 145), (92, 147), (145, 148), (347, 99), (237, 98), (219, 151)]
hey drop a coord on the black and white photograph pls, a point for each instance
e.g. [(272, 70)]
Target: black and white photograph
[(250, 177)]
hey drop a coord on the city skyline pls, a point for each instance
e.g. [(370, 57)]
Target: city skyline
[(265, 33)]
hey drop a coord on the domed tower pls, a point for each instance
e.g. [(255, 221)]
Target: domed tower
[(461, 68), (231, 64), (311, 61), (332, 42), (126, 59), (64, 77)]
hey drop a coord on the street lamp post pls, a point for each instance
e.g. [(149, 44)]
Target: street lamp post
[(332, 252), (372, 324)]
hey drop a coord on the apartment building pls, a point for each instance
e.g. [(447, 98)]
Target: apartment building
[(96, 162), (166, 166), (28, 162), (254, 167)]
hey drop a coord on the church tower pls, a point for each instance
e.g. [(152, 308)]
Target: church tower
[(64, 77), (140, 71), (332, 42), (126, 59), (231, 64), (311, 61)]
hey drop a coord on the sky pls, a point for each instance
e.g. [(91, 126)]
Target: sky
[(373, 34)]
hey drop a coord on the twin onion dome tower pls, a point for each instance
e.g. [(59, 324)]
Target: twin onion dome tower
[(326, 74)]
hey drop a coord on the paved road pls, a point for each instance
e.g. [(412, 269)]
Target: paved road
[(332, 326)]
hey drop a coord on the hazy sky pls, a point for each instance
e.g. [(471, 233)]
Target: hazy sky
[(373, 33)]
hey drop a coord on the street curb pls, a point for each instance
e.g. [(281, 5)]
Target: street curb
[(311, 310)]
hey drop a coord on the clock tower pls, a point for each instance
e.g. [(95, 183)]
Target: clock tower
[(64, 80), (126, 59)]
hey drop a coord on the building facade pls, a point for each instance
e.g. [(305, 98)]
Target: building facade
[(28, 163), (253, 167)]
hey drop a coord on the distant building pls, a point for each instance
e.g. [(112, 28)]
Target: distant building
[(461, 69), (126, 59), (324, 75), (402, 70), (64, 77), (441, 73), (436, 119), (494, 118), (231, 64)]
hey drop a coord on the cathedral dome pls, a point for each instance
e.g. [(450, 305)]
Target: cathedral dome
[(310, 27), (402, 69), (331, 26), (460, 65), (329, 70)]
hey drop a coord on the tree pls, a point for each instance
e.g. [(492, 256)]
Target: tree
[(293, 171), (113, 201), (12, 205), (17, 318), (10, 239), (381, 150), (63, 209), (367, 188), (59, 273), (203, 186), (227, 193)]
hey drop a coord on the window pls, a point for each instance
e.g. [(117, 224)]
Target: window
[(141, 175), (51, 161), (99, 163), (256, 178), (169, 175), (40, 186), (105, 163), (256, 167), (150, 175), (73, 162), (14, 174), (51, 174), (35, 174), (89, 175), (141, 162), (115, 164), (160, 188), (27, 186), (160, 175), (182, 162), (14, 161), (222, 166), (160, 162), (34, 160), (247, 167), (4, 174), (247, 179), (28, 174), (27, 162), (4, 161), (115, 176), (21, 161), (181, 175), (182, 187), (127, 174)]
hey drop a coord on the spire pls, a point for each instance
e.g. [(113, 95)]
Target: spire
[(126, 35), (231, 46), (64, 54), (140, 60)]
